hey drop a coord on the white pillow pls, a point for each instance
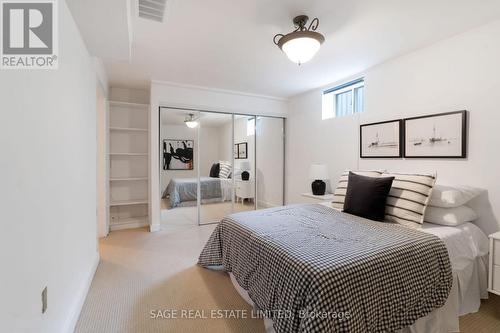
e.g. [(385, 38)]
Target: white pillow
[(225, 169), (450, 216), (452, 196), (408, 198)]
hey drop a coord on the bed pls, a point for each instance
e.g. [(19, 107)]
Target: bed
[(184, 191), (308, 266)]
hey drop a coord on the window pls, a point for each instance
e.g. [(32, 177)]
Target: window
[(344, 100), (251, 126)]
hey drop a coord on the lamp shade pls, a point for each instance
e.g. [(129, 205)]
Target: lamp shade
[(191, 121), (301, 50), (245, 165), (318, 171)]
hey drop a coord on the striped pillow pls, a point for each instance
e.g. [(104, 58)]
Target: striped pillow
[(225, 170), (408, 198), (340, 191)]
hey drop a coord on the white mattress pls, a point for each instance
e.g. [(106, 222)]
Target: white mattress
[(468, 248)]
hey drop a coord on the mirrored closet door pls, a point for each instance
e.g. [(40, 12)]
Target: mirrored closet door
[(244, 162), (270, 159), (214, 164), (178, 168), (216, 190)]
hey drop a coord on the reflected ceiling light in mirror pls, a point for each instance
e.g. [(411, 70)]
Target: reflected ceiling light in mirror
[(191, 121)]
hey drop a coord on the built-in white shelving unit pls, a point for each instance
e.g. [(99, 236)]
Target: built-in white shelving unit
[(128, 165)]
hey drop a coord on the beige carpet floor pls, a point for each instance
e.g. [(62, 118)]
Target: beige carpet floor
[(142, 272)]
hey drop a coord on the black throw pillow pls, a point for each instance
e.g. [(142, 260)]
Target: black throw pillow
[(366, 196), (214, 170)]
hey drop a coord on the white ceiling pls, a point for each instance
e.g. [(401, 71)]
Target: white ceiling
[(228, 44), (105, 26)]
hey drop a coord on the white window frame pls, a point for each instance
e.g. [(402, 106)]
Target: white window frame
[(329, 98)]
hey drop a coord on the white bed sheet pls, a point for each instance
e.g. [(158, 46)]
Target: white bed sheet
[(468, 249)]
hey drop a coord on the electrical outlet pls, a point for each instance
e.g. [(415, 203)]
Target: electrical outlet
[(44, 300)]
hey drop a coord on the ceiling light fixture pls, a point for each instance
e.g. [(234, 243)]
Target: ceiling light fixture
[(301, 44), (190, 121)]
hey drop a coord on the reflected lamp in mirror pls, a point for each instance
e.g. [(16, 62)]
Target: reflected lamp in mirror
[(318, 173), (245, 168), (191, 121)]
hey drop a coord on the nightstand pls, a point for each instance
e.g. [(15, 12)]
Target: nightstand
[(325, 197), (494, 269), (245, 189)]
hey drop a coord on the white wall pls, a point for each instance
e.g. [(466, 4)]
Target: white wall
[(129, 95), (102, 161), (48, 197), (102, 91), (462, 72), (168, 94)]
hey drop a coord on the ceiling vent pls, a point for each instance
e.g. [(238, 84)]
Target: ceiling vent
[(152, 9)]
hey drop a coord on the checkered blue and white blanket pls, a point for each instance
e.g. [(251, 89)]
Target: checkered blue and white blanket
[(311, 268)]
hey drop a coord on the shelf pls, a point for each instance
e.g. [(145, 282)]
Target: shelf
[(129, 202), (130, 222), (128, 154), (127, 179), (118, 103), (128, 129)]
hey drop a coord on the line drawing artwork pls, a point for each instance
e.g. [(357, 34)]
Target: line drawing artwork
[(377, 144), (441, 135), (381, 139), (433, 140)]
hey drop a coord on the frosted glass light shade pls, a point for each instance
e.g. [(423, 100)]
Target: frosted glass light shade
[(301, 46), (191, 124), (318, 172), (301, 50)]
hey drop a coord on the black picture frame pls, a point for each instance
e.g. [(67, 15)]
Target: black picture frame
[(462, 129), (241, 154), (235, 152), (399, 139), (182, 152)]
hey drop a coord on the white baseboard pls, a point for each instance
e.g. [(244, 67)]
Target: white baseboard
[(130, 225), (80, 297)]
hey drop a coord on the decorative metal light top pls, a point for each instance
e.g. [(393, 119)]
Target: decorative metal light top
[(301, 44)]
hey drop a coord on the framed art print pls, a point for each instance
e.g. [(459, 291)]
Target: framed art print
[(442, 135), (242, 150), (178, 154), (381, 140)]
